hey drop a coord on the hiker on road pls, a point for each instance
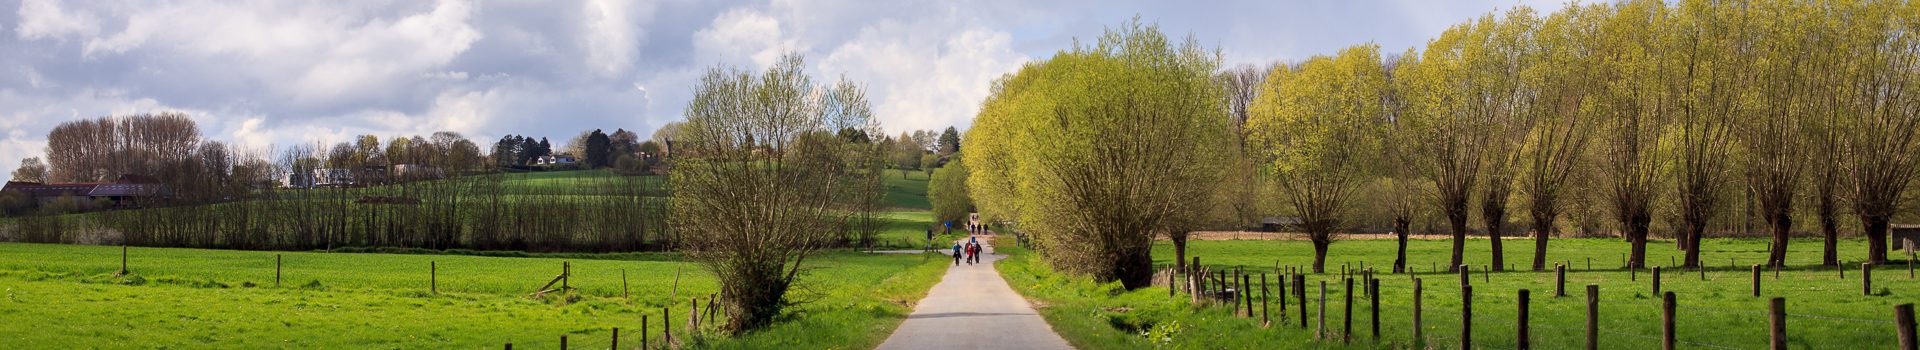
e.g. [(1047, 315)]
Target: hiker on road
[(956, 254)]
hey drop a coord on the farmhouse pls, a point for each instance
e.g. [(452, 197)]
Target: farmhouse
[(124, 192), (328, 177), (556, 160)]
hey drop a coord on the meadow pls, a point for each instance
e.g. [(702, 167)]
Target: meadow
[(196, 298), (1716, 308)]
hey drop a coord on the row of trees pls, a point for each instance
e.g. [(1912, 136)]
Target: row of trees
[(922, 149), (1702, 100), (1685, 112)]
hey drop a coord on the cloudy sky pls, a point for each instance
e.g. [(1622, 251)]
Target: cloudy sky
[(267, 74)]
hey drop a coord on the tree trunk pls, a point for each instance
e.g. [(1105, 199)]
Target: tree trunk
[(1782, 226), (1542, 229), (1694, 232), (1829, 229), (1457, 219), (1400, 257), (1134, 268), (1179, 250), (1493, 235), (1875, 228), (753, 299), (1637, 234), (1320, 242)]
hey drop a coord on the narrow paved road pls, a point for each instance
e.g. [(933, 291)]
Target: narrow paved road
[(973, 308)]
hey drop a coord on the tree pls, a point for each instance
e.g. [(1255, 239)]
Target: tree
[(948, 191), (31, 170), (760, 180), (1777, 115), (1632, 100), (1321, 124), (1879, 114), (949, 141), (1498, 53), (598, 150), (1710, 64), (1448, 116), (1101, 148), (1561, 121), (905, 154), (926, 140)]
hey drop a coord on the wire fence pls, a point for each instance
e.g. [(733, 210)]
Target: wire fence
[(1627, 314)]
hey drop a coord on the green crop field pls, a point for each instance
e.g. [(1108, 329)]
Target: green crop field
[(193, 298), (1825, 311)]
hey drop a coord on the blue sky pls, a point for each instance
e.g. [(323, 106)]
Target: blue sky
[(268, 74)]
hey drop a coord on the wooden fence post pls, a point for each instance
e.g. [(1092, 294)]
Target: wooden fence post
[(1266, 319), (624, 293), (1656, 280), (1300, 293), (1777, 323), (1559, 281), (123, 259), (1702, 269), (1903, 318), (615, 343), (1593, 317), (1346, 327), (1633, 274), (1841, 269), (1666, 321), (566, 274), (1756, 280), (509, 345), (1321, 330), (1522, 339), (1466, 317), (563, 342), (433, 277), (643, 332), (1486, 273), (666, 327), (1373, 298), (1463, 275), (1280, 290), (1418, 340), (1246, 285), (276, 270), (1866, 278), (1589, 263)]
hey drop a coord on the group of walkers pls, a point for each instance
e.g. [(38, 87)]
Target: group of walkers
[(970, 250)]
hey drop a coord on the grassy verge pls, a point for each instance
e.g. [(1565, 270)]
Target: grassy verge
[(1717, 311), (195, 298)]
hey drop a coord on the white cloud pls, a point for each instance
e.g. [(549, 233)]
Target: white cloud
[(929, 80), (744, 36), (45, 19)]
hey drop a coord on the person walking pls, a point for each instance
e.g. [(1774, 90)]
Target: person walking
[(973, 254), (956, 254)]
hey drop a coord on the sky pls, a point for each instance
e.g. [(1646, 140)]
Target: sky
[(265, 75)]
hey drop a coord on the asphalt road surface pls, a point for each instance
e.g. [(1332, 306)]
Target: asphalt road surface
[(973, 308)]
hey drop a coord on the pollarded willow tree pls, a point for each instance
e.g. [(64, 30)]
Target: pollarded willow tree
[(1452, 95), (1880, 112), (1560, 118), (761, 180), (1099, 149), (1710, 53), (1322, 126), (1631, 98), (1777, 112)]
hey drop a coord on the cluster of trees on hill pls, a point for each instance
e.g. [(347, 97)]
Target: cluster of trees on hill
[(921, 149), (438, 191), (1635, 115)]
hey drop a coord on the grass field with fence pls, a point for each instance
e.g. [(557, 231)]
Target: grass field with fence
[(68, 296), (1715, 307)]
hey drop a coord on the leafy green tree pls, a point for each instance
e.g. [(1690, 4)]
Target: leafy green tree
[(1321, 125), (949, 141), (948, 191), (1099, 149), (599, 149)]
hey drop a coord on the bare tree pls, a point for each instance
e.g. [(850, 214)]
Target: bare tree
[(760, 179)]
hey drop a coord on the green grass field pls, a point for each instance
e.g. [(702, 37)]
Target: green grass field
[(1718, 312), (193, 298), (908, 192)]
